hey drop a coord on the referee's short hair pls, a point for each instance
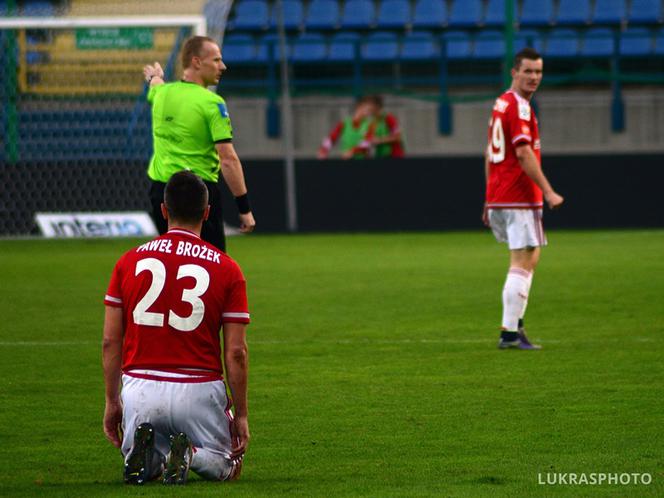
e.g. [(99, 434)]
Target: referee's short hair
[(186, 197), (526, 53), (193, 47)]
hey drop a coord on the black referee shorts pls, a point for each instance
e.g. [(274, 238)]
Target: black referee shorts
[(213, 227)]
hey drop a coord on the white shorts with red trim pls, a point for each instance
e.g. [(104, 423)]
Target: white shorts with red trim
[(199, 409), (519, 228)]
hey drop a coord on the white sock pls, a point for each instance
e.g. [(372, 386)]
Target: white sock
[(211, 465), (525, 303), (515, 297)]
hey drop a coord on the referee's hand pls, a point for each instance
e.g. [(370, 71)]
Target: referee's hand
[(247, 222)]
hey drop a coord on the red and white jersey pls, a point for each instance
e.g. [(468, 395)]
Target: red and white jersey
[(176, 291), (512, 123)]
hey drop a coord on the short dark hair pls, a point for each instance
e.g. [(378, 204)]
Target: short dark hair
[(525, 53), (193, 47), (186, 197)]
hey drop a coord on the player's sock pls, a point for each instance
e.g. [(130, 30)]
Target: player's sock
[(525, 303), (212, 465), (515, 293)]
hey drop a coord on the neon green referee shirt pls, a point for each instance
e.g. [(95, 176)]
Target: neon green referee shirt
[(187, 121)]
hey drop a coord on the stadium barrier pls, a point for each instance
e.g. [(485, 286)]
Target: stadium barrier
[(446, 193)]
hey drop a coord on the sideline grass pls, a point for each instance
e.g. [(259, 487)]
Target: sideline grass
[(374, 370)]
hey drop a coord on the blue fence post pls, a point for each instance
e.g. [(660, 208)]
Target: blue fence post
[(617, 104), (444, 108), (273, 114)]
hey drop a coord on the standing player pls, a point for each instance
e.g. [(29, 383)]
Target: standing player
[(515, 190), (191, 130), (165, 305), (385, 133), (351, 133)]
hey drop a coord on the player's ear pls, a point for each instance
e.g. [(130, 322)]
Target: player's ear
[(164, 211), (206, 214)]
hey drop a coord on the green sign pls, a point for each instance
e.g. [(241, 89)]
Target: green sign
[(113, 38)]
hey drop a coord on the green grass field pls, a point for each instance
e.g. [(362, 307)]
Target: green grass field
[(374, 368)]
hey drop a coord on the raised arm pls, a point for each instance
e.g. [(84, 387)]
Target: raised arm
[(154, 74), (531, 166), (112, 362), (231, 170), (236, 359)]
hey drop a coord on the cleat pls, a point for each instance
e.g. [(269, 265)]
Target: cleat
[(137, 464), (503, 344), (524, 343), (179, 460)]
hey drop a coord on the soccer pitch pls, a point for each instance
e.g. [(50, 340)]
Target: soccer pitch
[(373, 367)]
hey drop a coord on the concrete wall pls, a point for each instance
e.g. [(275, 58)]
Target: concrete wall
[(572, 121)]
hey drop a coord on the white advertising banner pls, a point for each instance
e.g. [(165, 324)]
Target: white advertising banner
[(127, 224)]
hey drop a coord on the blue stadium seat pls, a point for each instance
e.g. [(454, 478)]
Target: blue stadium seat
[(495, 12), (238, 47), (659, 42), (293, 14), (645, 11), (489, 44), (635, 42), (38, 8), (419, 45), (393, 14), (358, 14), (573, 12), (430, 14), (609, 11), (309, 47), (457, 44), (528, 38), (380, 46), (536, 12), (562, 42), (465, 13), (343, 46), (264, 44), (250, 15), (322, 14), (597, 42)]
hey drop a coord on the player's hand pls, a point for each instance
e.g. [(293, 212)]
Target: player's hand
[(151, 71), (247, 222), (554, 200), (322, 153), (240, 433), (485, 216), (112, 421), (348, 154)]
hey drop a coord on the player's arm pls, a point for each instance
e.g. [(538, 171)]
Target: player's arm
[(154, 74), (231, 170), (112, 362), (395, 132), (236, 359), (531, 166), (329, 141), (485, 211)]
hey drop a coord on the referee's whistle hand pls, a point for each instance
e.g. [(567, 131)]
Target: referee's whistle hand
[(247, 222)]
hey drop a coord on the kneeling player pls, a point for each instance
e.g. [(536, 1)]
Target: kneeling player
[(165, 305)]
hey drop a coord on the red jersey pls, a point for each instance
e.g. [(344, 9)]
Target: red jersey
[(176, 291), (512, 123)]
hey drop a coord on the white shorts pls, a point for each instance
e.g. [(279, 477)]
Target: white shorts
[(200, 410), (520, 228)]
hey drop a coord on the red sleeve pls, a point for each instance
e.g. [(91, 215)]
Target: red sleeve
[(235, 308), (518, 126), (336, 133), (113, 295), (392, 124)]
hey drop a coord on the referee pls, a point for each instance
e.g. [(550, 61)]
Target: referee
[(191, 130)]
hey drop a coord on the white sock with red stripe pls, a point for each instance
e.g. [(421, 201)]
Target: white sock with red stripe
[(515, 297), (525, 303)]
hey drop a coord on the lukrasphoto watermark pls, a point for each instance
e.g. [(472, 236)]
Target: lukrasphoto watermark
[(594, 479)]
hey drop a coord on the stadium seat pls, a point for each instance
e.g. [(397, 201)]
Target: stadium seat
[(528, 38), (358, 14), (293, 14), (659, 42), (635, 42), (562, 42), (38, 8), (536, 12), (495, 12), (264, 44), (380, 46), (597, 42), (238, 47), (343, 46), (309, 47), (465, 13), (250, 15), (609, 12), (573, 12), (393, 14), (457, 44), (645, 11), (322, 14), (419, 45), (430, 14), (489, 44)]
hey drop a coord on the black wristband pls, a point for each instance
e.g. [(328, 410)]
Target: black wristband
[(243, 205)]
